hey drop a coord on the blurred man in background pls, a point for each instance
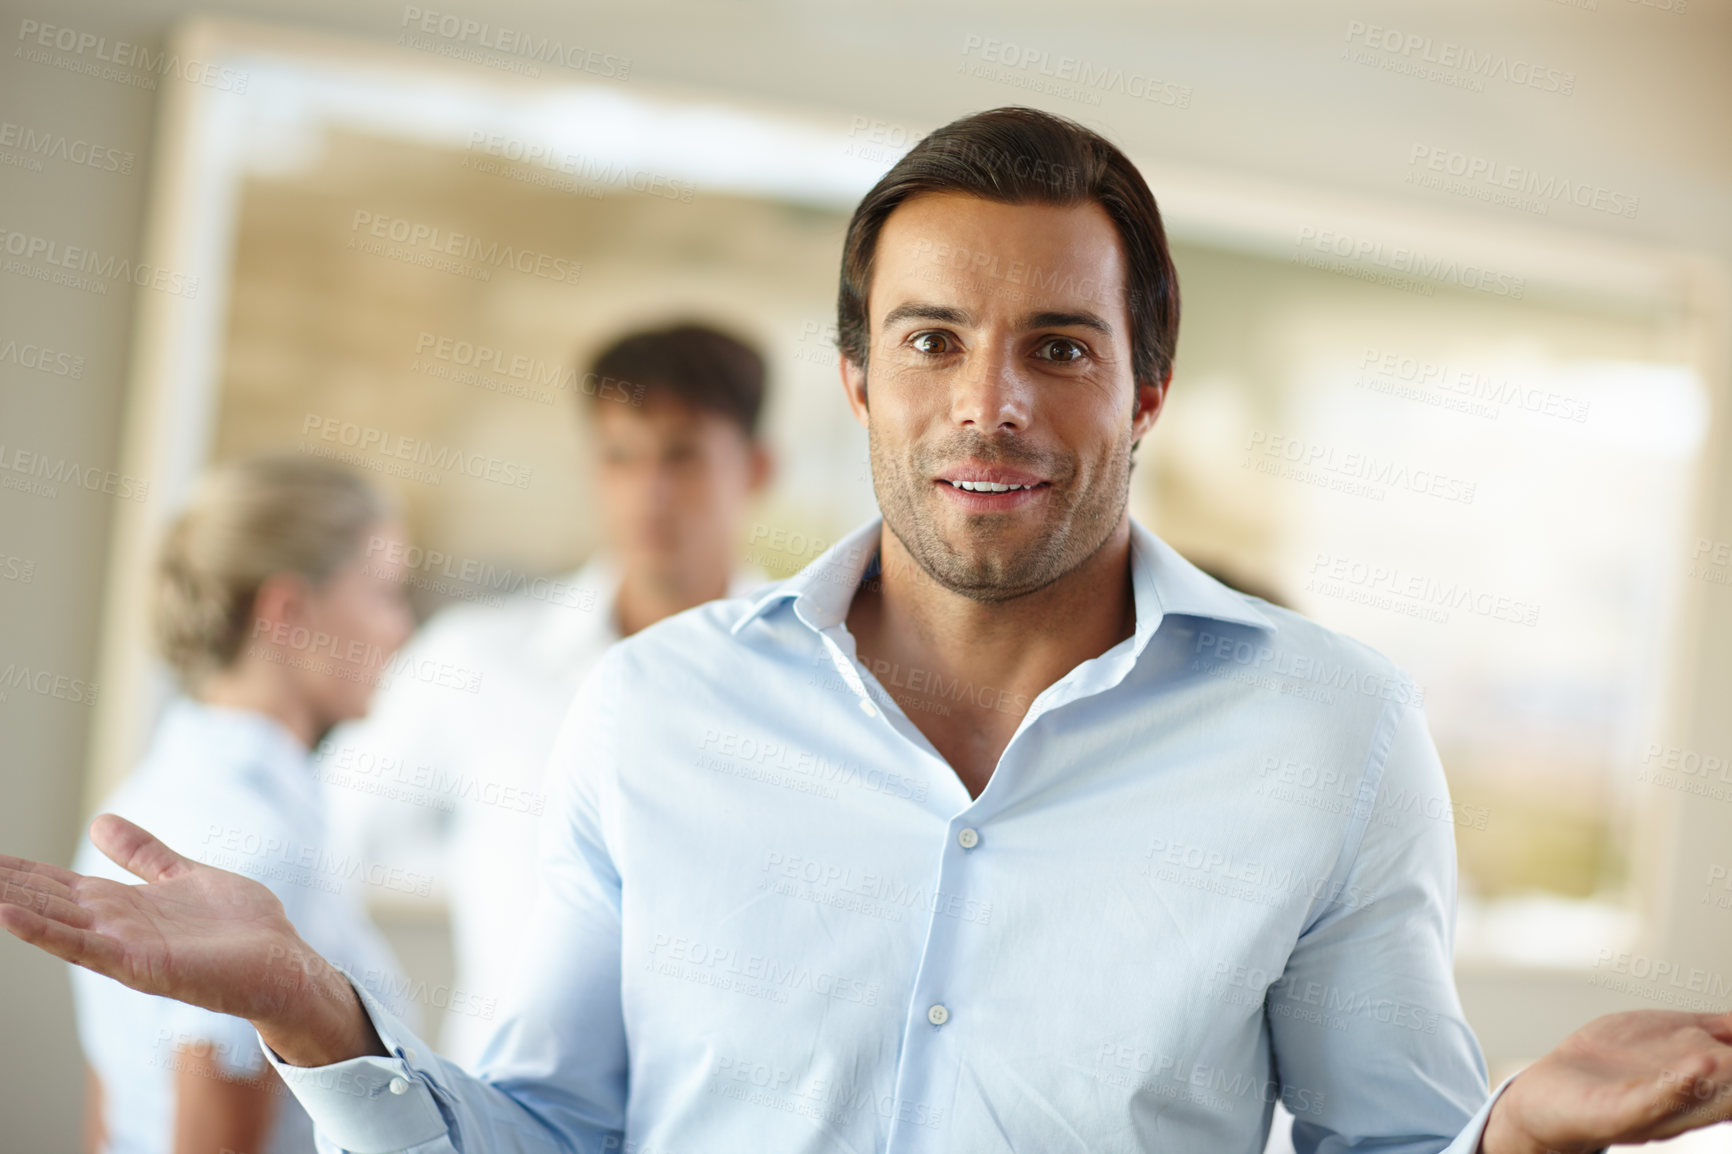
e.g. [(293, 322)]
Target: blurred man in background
[(453, 781)]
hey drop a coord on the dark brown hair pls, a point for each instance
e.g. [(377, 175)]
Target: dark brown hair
[(1025, 156), (692, 363)]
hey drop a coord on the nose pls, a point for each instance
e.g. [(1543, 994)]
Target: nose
[(660, 482), (401, 626), (989, 394)]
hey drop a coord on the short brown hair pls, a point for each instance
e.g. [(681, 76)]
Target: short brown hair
[(692, 363), (1025, 156)]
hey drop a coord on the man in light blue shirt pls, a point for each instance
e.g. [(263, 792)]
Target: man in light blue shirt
[(999, 827), (815, 939)]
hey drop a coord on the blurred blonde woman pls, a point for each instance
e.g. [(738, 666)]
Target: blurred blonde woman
[(279, 620)]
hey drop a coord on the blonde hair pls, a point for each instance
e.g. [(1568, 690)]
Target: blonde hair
[(246, 522)]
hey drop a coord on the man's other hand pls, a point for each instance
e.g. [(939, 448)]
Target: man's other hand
[(1624, 1078)]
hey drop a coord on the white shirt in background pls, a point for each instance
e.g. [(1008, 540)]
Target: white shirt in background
[(234, 789), (444, 776)]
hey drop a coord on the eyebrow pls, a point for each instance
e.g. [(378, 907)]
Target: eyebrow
[(955, 316), (928, 312), (1067, 320)]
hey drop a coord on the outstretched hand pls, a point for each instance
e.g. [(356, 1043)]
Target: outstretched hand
[(1624, 1078), (193, 932)]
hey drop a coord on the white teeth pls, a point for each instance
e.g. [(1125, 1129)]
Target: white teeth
[(987, 486)]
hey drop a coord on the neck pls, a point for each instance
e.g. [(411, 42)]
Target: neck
[(260, 688), (645, 598), (1024, 644), (966, 672)]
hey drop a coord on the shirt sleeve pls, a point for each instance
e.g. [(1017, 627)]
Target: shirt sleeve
[(553, 1077), (1370, 1044)]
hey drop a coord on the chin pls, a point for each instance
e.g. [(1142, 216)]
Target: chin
[(350, 709), (658, 561)]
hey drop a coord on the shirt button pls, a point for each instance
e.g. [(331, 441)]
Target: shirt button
[(397, 1086), (408, 1055), (968, 839), (868, 708), (937, 1015)]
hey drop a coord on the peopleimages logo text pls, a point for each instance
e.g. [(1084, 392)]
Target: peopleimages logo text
[(1478, 65), (516, 42), (29, 247), (137, 58), (1365, 251), (444, 242)]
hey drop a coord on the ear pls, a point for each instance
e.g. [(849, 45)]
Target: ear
[(761, 466), (1151, 397), (854, 387), (282, 599)]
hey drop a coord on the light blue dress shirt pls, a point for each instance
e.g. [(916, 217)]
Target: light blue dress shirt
[(1214, 868)]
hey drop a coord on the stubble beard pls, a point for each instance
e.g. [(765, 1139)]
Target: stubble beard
[(983, 560)]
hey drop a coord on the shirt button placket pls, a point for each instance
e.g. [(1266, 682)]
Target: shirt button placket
[(929, 1048)]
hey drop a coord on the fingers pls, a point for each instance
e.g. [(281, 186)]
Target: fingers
[(1705, 1102), (68, 943), (1719, 1025), (56, 906), (1697, 1090), (29, 880), (136, 849), (24, 865)]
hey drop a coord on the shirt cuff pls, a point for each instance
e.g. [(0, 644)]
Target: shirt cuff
[(1467, 1142), (369, 1105)]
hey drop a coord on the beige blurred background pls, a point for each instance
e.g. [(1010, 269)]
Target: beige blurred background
[(1525, 502)]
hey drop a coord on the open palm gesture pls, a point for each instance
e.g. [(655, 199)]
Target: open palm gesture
[(192, 932), (1629, 1078)]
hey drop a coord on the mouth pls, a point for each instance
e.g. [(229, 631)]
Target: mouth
[(988, 486), (987, 489)]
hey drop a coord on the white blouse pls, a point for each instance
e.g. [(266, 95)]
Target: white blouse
[(234, 789)]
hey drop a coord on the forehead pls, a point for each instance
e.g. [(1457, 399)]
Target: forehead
[(660, 415), (1009, 258)]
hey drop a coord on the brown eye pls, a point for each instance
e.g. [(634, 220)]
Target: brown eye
[(1063, 350), (933, 344)]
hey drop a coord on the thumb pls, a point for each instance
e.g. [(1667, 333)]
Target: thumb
[(1719, 1025), (136, 849)]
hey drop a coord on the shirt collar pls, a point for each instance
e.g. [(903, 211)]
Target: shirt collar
[(1181, 588), (823, 590), (1162, 582), (243, 741), (576, 617), (232, 727)]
